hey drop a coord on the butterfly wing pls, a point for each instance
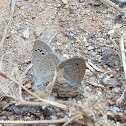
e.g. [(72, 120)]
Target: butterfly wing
[(46, 69), (74, 70), (40, 50)]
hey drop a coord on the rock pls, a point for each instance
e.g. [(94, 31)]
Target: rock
[(26, 33), (108, 23), (124, 111), (81, 1), (116, 90), (65, 55), (90, 48), (95, 2), (53, 117), (111, 33), (115, 109), (58, 5), (65, 1), (38, 31), (73, 2)]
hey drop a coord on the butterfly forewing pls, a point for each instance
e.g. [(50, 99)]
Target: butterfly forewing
[(40, 50)]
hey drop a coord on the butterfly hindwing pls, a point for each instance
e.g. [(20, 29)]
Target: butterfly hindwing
[(74, 70)]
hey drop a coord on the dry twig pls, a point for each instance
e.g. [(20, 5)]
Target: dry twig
[(122, 50), (59, 121), (3, 74), (9, 23), (108, 2)]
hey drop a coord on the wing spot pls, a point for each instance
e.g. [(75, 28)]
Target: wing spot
[(77, 64)]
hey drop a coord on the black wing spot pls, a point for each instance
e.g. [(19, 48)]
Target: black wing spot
[(41, 50), (38, 49), (37, 60), (43, 53), (35, 50), (40, 70), (77, 64)]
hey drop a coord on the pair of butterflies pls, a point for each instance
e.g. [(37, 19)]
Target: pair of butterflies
[(45, 61)]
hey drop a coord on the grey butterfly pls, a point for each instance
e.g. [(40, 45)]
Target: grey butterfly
[(74, 70), (44, 63)]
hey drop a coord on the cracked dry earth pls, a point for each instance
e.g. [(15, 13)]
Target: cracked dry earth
[(74, 29)]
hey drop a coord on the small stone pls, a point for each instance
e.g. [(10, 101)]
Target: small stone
[(78, 41), (33, 16), (124, 111), (106, 80), (53, 117), (65, 1), (65, 55), (116, 90), (115, 109), (90, 48), (108, 23), (95, 2), (118, 123), (26, 33), (81, 1), (38, 31), (87, 73), (73, 2), (58, 5), (59, 44)]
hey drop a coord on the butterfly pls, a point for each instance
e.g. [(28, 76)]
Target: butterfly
[(44, 63), (74, 70)]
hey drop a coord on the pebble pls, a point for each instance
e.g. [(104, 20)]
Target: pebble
[(108, 22), (26, 33), (115, 109), (88, 72), (65, 55), (58, 5), (111, 33), (3, 118), (106, 80), (118, 123), (78, 41), (116, 90), (65, 1), (38, 31), (95, 2), (81, 1), (90, 48), (124, 111), (53, 117)]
